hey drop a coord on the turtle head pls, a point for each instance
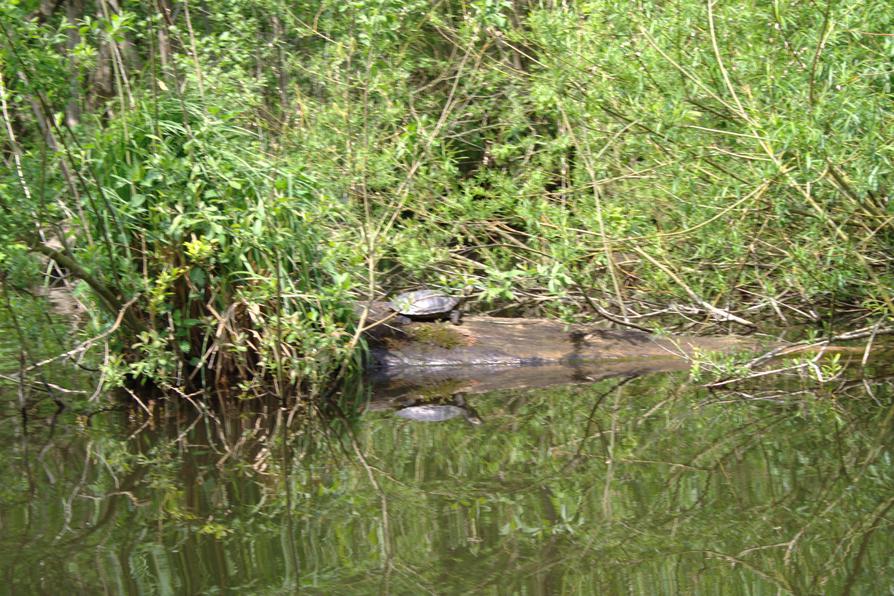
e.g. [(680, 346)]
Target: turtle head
[(469, 414), (473, 418)]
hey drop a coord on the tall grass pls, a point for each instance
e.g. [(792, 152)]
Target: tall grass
[(214, 250), (226, 248)]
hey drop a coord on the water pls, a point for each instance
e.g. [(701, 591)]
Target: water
[(624, 486)]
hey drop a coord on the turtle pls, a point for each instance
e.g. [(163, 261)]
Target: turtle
[(440, 412), (427, 305)]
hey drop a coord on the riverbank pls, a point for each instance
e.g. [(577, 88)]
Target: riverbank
[(219, 200)]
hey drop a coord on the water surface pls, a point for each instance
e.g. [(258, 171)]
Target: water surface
[(647, 485)]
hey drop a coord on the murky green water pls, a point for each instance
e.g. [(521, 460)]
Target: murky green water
[(642, 486)]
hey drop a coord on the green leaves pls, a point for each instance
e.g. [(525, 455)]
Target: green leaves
[(525, 149)]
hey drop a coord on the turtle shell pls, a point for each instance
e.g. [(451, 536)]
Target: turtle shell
[(430, 413), (423, 303)]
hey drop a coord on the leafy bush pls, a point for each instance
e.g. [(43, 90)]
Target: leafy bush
[(243, 170)]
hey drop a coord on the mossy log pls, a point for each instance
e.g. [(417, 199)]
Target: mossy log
[(432, 361), (492, 343)]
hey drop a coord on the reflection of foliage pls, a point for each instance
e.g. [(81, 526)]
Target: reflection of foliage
[(585, 488)]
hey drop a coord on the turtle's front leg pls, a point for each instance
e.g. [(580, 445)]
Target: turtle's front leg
[(455, 316), (402, 320)]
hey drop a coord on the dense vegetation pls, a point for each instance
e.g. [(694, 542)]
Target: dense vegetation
[(221, 180)]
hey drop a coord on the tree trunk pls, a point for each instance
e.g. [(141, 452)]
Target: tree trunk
[(74, 12)]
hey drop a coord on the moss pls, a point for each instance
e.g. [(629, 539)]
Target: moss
[(439, 392), (436, 334)]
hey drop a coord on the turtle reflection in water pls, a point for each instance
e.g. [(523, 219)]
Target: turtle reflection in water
[(427, 305), (434, 412)]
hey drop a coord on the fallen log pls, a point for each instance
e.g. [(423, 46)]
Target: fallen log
[(396, 343), (426, 362), (433, 360)]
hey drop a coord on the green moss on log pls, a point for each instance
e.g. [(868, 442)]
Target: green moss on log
[(436, 334)]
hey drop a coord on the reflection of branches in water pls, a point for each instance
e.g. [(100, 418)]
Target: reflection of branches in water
[(780, 582), (206, 443), (801, 391), (591, 419), (864, 536), (848, 472), (721, 455), (55, 549), (700, 481)]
